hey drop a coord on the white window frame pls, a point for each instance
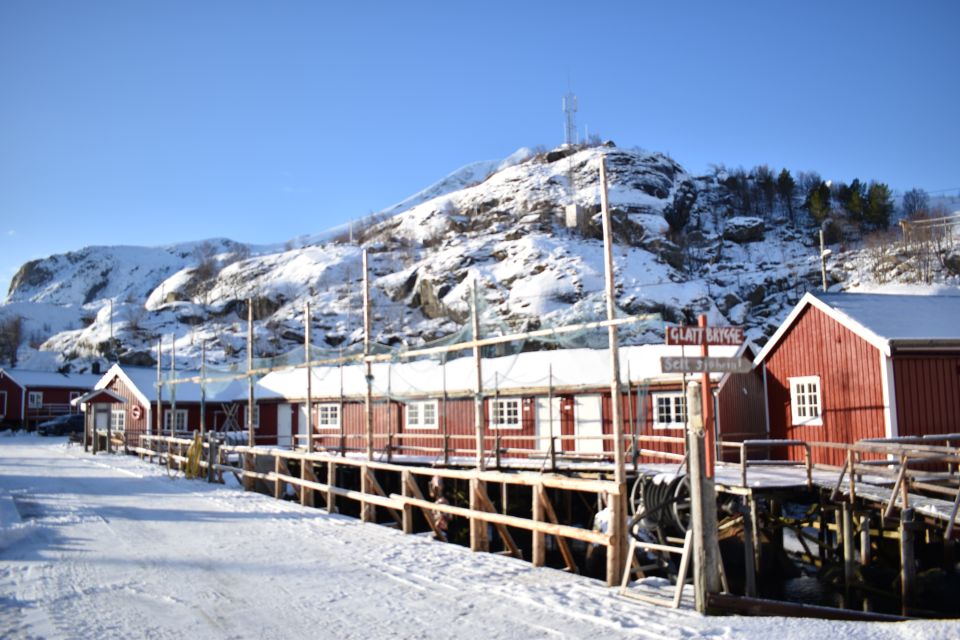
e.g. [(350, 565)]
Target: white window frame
[(168, 413), (34, 399), (3, 394), (806, 401), (256, 417), (415, 416), (506, 413), (676, 404), (326, 416), (118, 420)]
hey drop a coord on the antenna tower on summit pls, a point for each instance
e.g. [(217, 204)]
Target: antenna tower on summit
[(570, 111)]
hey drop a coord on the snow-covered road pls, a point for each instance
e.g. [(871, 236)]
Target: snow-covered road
[(110, 547)]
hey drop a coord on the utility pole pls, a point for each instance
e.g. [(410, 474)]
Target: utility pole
[(306, 352), (824, 254), (478, 382), (251, 440), (703, 507), (709, 444), (617, 549), (368, 404)]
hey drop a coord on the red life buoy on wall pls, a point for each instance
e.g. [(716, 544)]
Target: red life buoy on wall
[(136, 412)]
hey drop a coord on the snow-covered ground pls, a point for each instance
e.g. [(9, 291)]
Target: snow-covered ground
[(111, 547)]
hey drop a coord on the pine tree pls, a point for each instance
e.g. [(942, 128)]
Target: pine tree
[(853, 200), (818, 202), (879, 207), (785, 188)]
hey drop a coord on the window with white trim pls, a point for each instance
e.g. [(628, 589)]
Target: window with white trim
[(422, 415), (118, 419), (256, 416), (34, 399), (806, 405), (669, 410), (505, 413), (3, 403), (177, 418), (327, 416)]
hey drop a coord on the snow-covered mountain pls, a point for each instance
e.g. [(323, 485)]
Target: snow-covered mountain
[(679, 252)]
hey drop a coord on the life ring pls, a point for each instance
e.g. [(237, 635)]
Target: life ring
[(136, 412)]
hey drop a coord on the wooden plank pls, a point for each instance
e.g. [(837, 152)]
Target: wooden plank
[(501, 529), (565, 531), (552, 516), (374, 484), (414, 490), (539, 551), (760, 607), (306, 493)]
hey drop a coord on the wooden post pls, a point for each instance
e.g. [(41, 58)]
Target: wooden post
[(907, 560), (277, 483), (331, 483), (211, 456), (307, 358), (203, 389), (618, 510), (865, 551), (478, 383), (710, 440), (703, 503), (368, 401), (249, 466), (849, 549), (405, 479), (443, 416), (306, 473), (823, 261), (368, 511), (251, 440), (539, 552), (479, 540), (159, 388), (173, 386), (749, 554)]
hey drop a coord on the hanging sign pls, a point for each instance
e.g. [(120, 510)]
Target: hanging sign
[(680, 364), (696, 336)]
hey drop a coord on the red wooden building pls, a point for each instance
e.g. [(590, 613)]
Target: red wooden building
[(845, 367), (181, 405), (530, 400), (28, 398)]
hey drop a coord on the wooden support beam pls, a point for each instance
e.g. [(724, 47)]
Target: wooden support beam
[(407, 524), (849, 549), (539, 552), (249, 469), (478, 528), (865, 545), (552, 517), (907, 560), (368, 512), (374, 484), (566, 531), (331, 482), (306, 473), (412, 490), (504, 534), (749, 556)]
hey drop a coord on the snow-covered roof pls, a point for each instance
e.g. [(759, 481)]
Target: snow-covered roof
[(26, 378), (540, 369), (143, 382), (884, 320)]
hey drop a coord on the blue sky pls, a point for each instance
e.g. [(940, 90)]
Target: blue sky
[(133, 122)]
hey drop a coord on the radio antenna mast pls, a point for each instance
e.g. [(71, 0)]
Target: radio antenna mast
[(570, 125)]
